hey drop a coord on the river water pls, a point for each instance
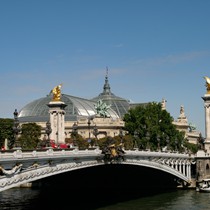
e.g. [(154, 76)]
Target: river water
[(106, 187), (27, 198)]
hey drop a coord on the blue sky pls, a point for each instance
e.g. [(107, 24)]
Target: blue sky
[(154, 49)]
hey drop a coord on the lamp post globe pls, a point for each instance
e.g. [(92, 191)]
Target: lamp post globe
[(48, 132), (16, 129), (121, 135), (74, 132), (135, 135), (95, 133)]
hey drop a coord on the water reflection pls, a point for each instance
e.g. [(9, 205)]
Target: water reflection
[(102, 188), (180, 199), (17, 198), (25, 199), (89, 188)]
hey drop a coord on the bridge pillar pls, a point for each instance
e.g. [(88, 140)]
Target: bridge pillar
[(189, 170), (206, 99), (57, 120), (202, 165)]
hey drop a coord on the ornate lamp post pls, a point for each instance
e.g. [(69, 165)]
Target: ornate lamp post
[(95, 133), (89, 127), (48, 130), (201, 141), (158, 140), (121, 135), (89, 123), (148, 137), (74, 132), (135, 138), (16, 130), (167, 142), (176, 144)]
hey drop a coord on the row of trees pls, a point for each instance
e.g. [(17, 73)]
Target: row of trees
[(6, 131), (29, 138), (146, 127), (153, 129)]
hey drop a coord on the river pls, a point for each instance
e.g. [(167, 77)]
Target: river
[(106, 187), (28, 199)]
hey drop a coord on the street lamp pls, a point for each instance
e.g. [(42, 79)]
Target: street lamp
[(89, 122), (89, 126), (167, 142), (48, 130), (176, 145), (74, 132), (148, 137), (95, 133), (16, 130), (158, 140), (135, 138), (121, 135)]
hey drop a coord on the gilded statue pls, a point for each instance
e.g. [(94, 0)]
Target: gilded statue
[(57, 93), (207, 84)]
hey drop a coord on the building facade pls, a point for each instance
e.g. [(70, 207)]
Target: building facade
[(82, 113), (78, 112)]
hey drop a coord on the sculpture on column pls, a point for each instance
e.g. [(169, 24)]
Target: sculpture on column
[(57, 115), (163, 104), (57, 93), (102, 108), (182, 118), (207, 84), (201, 142)]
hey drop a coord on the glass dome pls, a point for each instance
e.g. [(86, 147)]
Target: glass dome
[(38, 111), (118, 104)]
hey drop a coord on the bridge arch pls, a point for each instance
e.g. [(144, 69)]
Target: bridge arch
[(35, 166), (160, 167)]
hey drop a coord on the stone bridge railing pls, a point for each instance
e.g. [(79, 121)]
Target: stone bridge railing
[(18, 167)]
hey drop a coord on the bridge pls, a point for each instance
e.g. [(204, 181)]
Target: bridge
[(18, 167)]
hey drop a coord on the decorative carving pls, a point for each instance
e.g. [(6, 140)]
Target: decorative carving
[(163, 104), (201, 142), (34, 165), (113, 154), (15, 170), (192, 127), (182, 118), (206, 105)]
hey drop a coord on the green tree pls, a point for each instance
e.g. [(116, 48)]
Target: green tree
[(80, 141), (30, 135), (6, 131), (153, 129)]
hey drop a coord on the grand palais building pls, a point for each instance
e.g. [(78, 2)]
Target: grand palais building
[(82, 113)]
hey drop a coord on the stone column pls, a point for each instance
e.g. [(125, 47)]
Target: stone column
[(183, 168), (206, 99), (189, 170), (57, 120), (176, 165), (180, 166)]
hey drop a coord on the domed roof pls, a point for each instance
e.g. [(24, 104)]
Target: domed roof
[(38, 111), (118, 104)]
